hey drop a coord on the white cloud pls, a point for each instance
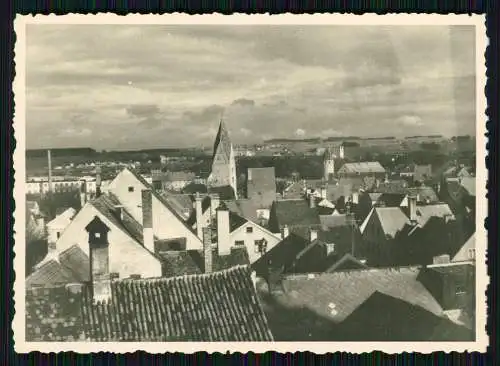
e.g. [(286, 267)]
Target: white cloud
[(299, 132)]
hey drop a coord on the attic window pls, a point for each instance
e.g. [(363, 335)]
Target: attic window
[(239, 243), (58, 234), (97, 235), (249, 229), (471, 253), (130, 189)]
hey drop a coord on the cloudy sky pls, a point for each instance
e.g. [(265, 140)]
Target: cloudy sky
[(131, 87)]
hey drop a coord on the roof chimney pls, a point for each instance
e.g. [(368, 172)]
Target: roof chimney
[(313, 235), (249, 174), (83, 195), (312, 201), (207, 249), (214, 204), (49, 159), (198, 209), (147, 219), (285, 232), (223, 241), (98, 181), (412, 206), (323, 191), (99, 260)]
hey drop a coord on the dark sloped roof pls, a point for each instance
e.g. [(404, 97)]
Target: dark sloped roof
[(243, 207), (347, 262), (392, 187), (237, 257), (49, 274), (281, 255), (221, 306), (222, 144), (75, 260), (422, 172), (161, 199), (224, 192), (424, 194), (331, 221), (178, 263), (390, 199), (337, 295), (295, 212)]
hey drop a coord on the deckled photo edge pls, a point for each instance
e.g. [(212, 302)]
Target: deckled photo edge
[(482, 278)]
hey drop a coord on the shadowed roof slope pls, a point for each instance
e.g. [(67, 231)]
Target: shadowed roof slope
[(295, 212)]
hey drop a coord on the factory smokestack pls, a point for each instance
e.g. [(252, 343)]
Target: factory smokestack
[(50, 170)]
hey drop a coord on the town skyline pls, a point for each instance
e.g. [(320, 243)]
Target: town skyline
[(116, 94)]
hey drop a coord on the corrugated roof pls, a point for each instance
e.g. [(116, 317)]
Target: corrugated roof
[(336, 295)]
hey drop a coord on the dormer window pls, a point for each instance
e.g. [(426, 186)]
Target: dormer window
[(330, 248), (130, 189)]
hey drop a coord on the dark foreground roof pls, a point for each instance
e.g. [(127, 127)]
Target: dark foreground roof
[(221, 306)]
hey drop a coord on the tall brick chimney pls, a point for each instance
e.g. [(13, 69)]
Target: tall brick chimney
[(207, 249), (214, 204), (198, 209), (147, 219), (223, 241), (99, 260)]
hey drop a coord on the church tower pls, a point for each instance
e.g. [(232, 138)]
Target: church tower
[(223, 172), (328, 165)]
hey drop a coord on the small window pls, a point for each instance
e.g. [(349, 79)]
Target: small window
[(58, 235), (131, 189), (472, 253), (239, 243), (97, 235), (249, 229), (330, 248)]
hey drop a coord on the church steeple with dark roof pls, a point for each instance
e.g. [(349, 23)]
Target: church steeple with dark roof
[(223, 160)]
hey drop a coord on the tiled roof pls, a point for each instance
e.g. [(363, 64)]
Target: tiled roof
[(161, 199), (347, 262), (221, 306), (425, 212), (462, 254), (179, 176), (49, 274), (63, 218), (392, 186), (390, 199), (281, 255), (295, 212), (224, 192), (75, 259), (363, 167), (336, 295), (261, 179), (392, 219), (106, 204), (243, 207), (424, 194), (237, 257), (331, 221), (71, 266), (178, 263), (422, 172), (181, 203)]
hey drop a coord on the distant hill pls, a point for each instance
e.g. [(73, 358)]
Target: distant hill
[(71, 151), (288, 141)]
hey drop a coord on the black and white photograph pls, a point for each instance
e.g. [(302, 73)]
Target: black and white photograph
[(270, 180)]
